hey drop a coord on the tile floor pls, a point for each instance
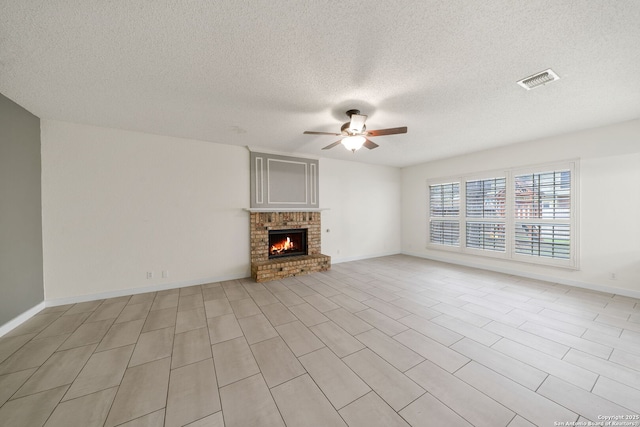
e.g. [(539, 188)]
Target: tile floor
[(392, 341)]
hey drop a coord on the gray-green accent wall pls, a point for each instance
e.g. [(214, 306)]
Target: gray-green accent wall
[(21, 279)]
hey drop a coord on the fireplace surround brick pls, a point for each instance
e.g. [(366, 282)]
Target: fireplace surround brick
[(262, 268)]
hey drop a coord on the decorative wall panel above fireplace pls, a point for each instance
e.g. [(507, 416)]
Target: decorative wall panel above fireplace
[(283, 182)]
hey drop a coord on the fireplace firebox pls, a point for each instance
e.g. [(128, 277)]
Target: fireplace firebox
[(286, 243)]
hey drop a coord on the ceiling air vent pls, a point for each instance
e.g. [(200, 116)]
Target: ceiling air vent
[(539, 79)]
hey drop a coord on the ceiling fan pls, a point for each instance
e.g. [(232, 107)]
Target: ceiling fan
[(355, 133)]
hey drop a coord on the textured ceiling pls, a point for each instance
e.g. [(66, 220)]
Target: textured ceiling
[(259, 73)]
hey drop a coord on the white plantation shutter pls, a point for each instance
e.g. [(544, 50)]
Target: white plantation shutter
[(444, 202), (488, 236), (486, 198), (542, 211), (485, 202), (445, 232), (546, 240), (527, 214)]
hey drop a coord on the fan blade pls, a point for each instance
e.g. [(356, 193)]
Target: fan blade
[(332, 145), (357, 122), (370, 144), (390, 131), (307, 132)]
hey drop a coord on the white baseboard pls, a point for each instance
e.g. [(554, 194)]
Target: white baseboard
[(515, 272), (161, 287), (339, 260), (133, 291), (20, 319)]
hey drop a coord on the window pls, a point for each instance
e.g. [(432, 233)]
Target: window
[(520, 214), (444, 202), (486, 235), (485, 203), (543, 214)]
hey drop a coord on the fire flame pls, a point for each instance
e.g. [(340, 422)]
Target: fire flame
[(285, 245)]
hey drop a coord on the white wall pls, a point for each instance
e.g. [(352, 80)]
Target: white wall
[(609, 204), (364, 209), (117, 204)]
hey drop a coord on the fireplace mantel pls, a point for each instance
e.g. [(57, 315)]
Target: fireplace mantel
[(284, 210)]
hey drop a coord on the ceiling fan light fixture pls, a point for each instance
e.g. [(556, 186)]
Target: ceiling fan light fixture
[(353, 143), (354, 134), (356, 125)]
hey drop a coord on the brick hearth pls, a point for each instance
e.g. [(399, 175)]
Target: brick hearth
[(264, 269)]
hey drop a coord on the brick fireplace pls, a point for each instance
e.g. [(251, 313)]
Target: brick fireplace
[(263, 268)]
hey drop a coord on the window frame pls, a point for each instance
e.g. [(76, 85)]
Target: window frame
[(510, 220), (573, 261), (483, 177), (450, 218)]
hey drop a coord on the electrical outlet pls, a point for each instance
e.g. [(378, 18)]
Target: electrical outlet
[(165, 274), (149, 274)]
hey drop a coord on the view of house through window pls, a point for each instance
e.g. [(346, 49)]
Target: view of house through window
[(543, 212), (525, 215)]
